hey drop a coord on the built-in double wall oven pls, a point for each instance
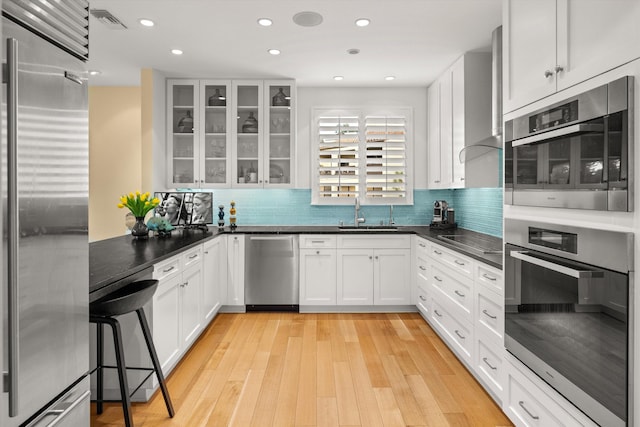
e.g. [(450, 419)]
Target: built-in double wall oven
[(568, 313), (575, 153)]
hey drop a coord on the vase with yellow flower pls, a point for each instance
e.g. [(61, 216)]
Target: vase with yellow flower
[(139, 204)]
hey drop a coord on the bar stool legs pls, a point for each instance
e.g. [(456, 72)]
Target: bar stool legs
[(121, 366), (154, 359)]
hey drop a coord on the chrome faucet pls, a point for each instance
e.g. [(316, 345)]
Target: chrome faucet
[(357, 219), (391, 220)]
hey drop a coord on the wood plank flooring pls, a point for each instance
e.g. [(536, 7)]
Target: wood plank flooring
[(289, 369)]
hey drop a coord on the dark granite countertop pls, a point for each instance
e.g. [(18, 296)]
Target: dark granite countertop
[(115, 259)]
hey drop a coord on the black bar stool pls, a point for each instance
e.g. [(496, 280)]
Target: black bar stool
[(131, 297)]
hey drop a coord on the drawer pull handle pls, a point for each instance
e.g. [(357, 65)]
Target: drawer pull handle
[(422, 245), (459, 262), (486, 276), (437, 252), (460, 294), (437, 278), (484, 359), (166, 270), (487, 313), (317, 241), (193, 256), (422, 268), (422, 298), (437, 314), (535, 417), (317, 252), (458, 334)]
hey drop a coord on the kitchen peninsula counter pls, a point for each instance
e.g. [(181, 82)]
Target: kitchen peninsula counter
[(112, 261)]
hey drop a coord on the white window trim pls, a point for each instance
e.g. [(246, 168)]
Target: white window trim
[(362, 113)]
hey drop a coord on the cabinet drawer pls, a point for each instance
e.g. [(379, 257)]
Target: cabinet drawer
[(489, 364), (400, 241), (192, 257), (459, 292), (456, 331), (528, 409), (490, 314), (422, 271), (423, 301), (459, 263), (422, 247), (490, 277), (166, 269), (315, 241)]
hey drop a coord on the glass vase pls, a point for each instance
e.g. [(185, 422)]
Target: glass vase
[(140, 229)]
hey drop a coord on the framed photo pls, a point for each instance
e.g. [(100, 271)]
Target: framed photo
[(186, 208)]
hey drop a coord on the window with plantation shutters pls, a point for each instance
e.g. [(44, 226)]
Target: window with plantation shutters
[(362, 153), (338, 156), (386, 158)]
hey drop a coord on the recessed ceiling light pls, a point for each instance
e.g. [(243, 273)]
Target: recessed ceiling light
[(176, 51), (307, 19), (94, 72), (338, 78), (265, 22), (146, 22), (362, 22), (274, 51), (390, 78)]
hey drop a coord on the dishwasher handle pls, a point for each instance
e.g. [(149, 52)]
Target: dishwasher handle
[(287, 239), (271, 238)]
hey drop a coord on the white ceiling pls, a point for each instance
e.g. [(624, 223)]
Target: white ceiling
[(414, 40)]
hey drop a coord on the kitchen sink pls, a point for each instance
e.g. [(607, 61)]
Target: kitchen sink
[(473, 243), (370, 228)]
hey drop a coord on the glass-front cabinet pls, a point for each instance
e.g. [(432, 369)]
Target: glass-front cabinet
[(230, 133), (198, 142), (279, 117), (182, 133), (249, 131)]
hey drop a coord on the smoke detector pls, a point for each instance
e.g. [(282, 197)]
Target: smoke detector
[(307, 19), (108, 19)]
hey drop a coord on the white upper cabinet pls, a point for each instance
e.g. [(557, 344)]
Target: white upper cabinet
[(224, 133), (549, 45), (198, 140), (459, 114)]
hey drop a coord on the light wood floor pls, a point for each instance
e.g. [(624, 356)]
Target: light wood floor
[(285, 369)]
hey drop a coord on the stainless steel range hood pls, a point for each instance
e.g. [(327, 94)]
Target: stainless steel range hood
[(494, 141)]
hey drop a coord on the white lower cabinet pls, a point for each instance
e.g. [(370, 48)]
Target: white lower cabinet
[(177, 319), (235, 272), (374, 270), (529, 402), (457, 331), (318, 270), (214, 283)]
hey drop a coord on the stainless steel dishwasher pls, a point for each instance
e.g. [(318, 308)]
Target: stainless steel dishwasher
[(271, 273)]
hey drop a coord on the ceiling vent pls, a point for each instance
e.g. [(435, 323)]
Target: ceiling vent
[(105, 17)]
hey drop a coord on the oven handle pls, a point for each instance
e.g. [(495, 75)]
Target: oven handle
[(565, 131), (578, 274)]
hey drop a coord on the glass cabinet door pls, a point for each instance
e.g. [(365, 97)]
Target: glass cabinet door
[(183, 129), (215, 163), (248, 131), (279, 137)]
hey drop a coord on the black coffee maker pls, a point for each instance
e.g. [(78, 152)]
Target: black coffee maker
[(443, 215)]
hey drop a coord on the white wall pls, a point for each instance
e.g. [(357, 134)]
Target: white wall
[(331, 97)]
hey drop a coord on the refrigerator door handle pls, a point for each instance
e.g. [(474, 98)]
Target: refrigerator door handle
[(11, 380)]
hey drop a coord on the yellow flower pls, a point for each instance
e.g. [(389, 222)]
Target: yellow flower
[(137, 192), (143, 197), (132, 196), (155, 201), (147, 203), (123, 199), (120, 205)]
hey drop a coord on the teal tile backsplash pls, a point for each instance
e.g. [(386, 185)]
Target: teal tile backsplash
[(478, 209)]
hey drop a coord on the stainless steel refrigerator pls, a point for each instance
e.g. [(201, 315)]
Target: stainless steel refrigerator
[(44, 170)]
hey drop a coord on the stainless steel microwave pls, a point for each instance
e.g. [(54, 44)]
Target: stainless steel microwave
[(577, 153)]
